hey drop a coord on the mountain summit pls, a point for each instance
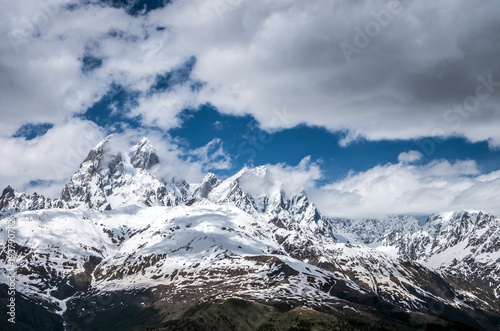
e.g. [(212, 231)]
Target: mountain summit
[(143, 155), (110, 178)]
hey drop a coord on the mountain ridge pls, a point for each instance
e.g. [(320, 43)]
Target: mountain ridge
[(118, 229)]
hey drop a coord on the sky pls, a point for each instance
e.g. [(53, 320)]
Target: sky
[(374, 107)]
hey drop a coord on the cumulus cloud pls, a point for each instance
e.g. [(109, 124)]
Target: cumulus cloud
[(211, 156), (429, 71), (47, 160), (281, 177), (417, 69), (162, 109), (297, 178), (409, 189), (410, 156)]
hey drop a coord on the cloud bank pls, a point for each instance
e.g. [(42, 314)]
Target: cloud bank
[(390, 189), (408, 189)]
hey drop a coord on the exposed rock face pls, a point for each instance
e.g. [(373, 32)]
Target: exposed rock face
[(368, 231), (12, 202), (209, 183), (288, 210), (86, 185), (460, 244), (143, 155), (109, 179)]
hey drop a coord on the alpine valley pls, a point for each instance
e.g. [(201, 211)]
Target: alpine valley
[(122, 249)]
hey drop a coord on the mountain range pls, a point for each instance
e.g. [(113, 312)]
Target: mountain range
[(123, 249)]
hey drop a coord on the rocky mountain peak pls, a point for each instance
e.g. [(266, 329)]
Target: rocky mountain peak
[(12, 201), (143, 155), (369, 231), (259, 191), (95, 154), (210, 181), (111, 177), (7, 198), (8, 192)]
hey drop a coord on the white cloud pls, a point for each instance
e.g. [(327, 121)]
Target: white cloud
[(269, 55), (297, 178), (211, 156), (51, 158), (161, 109), (410, 156), (408, 189), (281, 177), (256, 56)]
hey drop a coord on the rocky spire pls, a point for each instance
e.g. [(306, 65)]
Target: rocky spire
[(143, 155), (111, 178), (209, 183)]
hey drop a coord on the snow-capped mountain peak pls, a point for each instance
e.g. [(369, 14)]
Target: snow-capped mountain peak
[(465, 244), (110, 178), (257, 191), (143, 155), (208, 184)]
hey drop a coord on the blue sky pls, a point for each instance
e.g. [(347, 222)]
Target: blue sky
[(400, 119), (249, 145)]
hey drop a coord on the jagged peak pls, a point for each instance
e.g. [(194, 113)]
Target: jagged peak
[(143, 144), (211, 179), (143, 155), (103, 142), (96, 152), (8, 191), (144, 140), (450, 217)]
